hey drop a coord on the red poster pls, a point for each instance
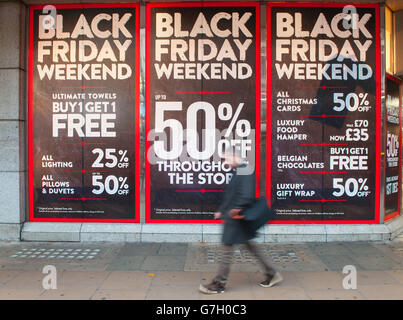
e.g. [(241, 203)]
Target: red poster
[(203, 96), (393, 139), (84, 113), (323, 114)]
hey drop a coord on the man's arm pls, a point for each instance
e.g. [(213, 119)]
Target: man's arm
[(243, 196)]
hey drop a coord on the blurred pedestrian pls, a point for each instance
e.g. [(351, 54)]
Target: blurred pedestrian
[(239, 195)]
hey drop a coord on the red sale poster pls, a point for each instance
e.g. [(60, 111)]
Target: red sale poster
[(203, 97), (83, 113)]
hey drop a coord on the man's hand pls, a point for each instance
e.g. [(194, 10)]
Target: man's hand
[(217, 215), (234, 214)]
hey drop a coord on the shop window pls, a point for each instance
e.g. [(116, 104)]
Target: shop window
[(389, 41)]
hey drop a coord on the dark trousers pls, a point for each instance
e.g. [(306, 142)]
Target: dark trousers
[(226, 260)]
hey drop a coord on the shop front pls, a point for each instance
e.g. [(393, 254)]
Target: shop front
[(131, 106)]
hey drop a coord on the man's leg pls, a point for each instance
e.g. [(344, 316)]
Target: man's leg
[(272, 276), (217, 285), (267, 266), (225, 264)]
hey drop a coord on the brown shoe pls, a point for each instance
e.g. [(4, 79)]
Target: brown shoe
[(272, 280), (212, 288)]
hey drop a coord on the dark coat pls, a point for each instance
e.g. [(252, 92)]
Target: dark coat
[(239, 194)]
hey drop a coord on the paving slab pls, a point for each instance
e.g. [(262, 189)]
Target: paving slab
[(382, 292), (336, 248), (363, 249), (175, 249), (126, 263), (320, 280), (163, 263), (334, 294), (284, 258), (336, 262), (379, 262), (79, 279), (118, 294), (393, 250), (127, 280), (374, 278), (396, 274), (65, 256), (279, 293), (139, 249), (7, 275), (21, 266), (69, 293), (27, 280), (20, 294), (177, 278), (173, 293)]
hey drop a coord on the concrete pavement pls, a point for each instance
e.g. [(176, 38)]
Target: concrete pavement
[(150, 271)]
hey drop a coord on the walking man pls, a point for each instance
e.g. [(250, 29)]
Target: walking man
[(240, 193)]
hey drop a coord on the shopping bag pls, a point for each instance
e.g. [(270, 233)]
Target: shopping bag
[(256, 215)]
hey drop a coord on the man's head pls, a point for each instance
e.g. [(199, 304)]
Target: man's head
[(232, 157)]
